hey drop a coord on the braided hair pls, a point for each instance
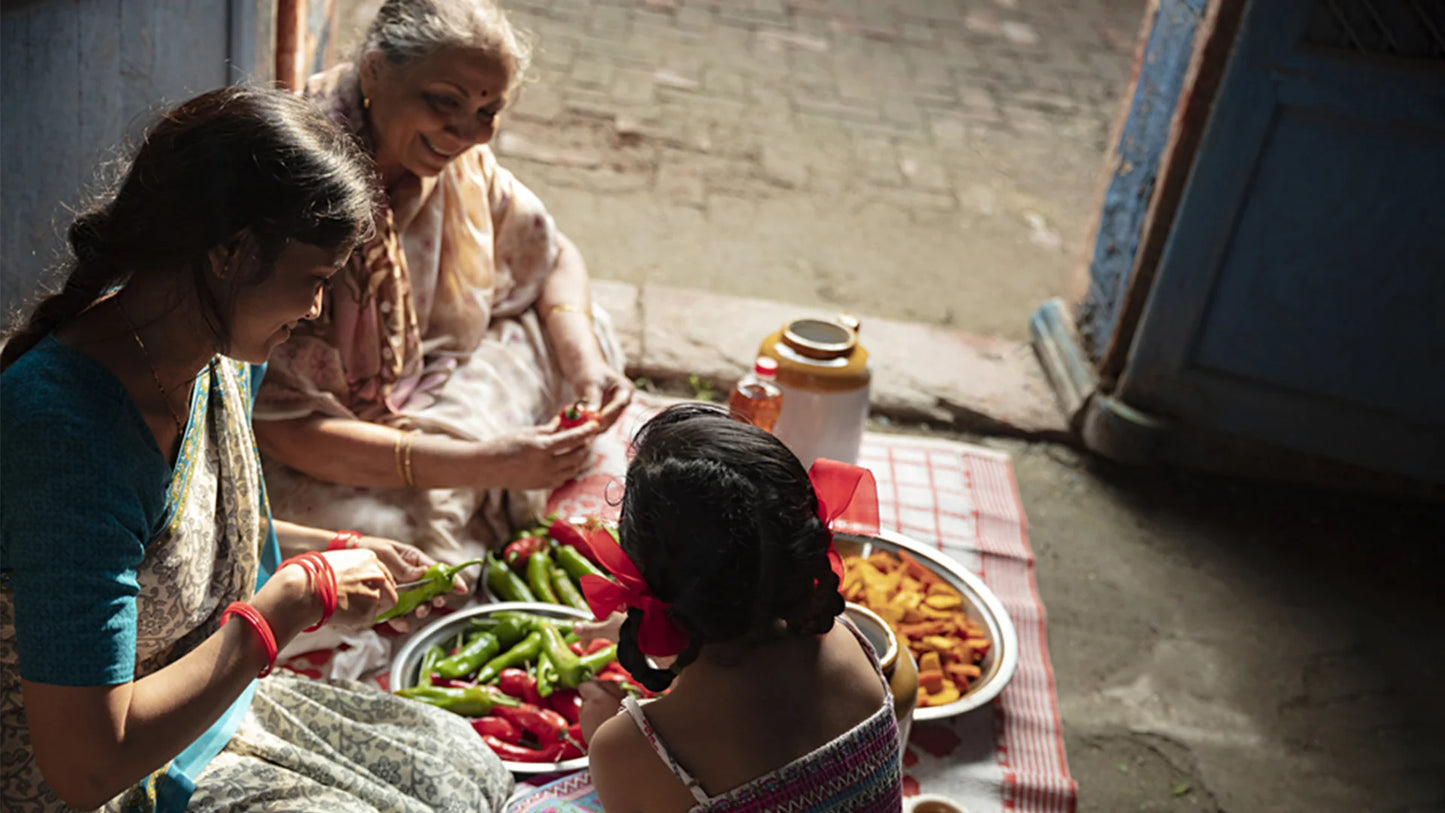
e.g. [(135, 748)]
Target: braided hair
[(721, 521)]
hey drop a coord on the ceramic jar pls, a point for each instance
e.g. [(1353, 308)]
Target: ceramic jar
[(825, 376)]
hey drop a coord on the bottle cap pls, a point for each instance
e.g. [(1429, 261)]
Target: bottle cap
[(766, 366)]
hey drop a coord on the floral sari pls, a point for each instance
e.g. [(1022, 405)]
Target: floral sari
[(432, 325)]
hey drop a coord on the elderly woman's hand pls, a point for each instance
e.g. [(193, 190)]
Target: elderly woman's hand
[(538, 457), (605, 390), (407, 563)]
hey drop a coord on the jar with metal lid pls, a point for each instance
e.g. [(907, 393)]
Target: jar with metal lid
[(825, 377)]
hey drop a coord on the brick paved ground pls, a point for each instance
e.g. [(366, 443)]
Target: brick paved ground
[(928, 160)]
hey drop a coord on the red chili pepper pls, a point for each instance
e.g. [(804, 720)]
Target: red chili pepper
[(519, 753), (517, 683), (545, 724), (597, 645), (517, 553), (497, 727), (451, 683), (568, 703), (576, 414), (576, 646)]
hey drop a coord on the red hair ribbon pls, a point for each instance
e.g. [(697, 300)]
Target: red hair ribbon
[(847, 501), (658, 635)]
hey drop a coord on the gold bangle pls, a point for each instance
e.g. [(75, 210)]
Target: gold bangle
[(566, 307), (402, 451)]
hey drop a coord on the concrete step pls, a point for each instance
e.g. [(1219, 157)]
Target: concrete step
[(921, 372)]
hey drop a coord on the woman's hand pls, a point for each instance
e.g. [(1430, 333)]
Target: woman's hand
[(364, 586), (408, 563), (608, 629), (605, 390), (538, 457)]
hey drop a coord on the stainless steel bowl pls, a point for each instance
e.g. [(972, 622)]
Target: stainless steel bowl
[(408, 660), (980, 605)]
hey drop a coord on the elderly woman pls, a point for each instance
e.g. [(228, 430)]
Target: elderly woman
[(422, 404)]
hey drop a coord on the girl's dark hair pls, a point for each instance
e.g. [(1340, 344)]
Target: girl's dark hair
[(231, 159), (721, 520)]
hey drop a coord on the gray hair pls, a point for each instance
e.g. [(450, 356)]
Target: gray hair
[(408, 30)]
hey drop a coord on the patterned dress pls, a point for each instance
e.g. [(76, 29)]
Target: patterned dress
[(858, 772)]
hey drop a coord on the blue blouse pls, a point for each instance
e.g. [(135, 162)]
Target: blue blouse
[(82, 492)]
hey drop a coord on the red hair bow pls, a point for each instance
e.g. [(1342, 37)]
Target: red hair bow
[(657, 635), (847, 501)]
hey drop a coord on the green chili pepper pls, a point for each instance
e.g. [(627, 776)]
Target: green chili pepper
[(523, 533), (474, 701), (539, 578), (534, 621), (508, 630), (575, 563), (429, 660), (482, 647), (547, 676), (505, 584), (439, 582), (567, 591), (516, 656), (570, 672), (593, 663)]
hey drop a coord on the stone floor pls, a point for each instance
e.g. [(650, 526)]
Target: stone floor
[(1228, 646), (937, 159)]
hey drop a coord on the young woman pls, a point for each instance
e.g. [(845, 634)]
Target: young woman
[(135, 517)]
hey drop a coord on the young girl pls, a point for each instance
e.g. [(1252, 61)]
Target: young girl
[(730, 585), (141, 584)]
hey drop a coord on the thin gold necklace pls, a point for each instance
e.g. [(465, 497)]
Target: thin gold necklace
[(165, 396)]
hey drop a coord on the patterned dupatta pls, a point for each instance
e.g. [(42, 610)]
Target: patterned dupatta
[(216, 547)]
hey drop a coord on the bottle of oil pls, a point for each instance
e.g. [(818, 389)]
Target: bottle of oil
[(757, 398)]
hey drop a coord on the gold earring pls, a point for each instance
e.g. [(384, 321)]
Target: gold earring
[(366, 102)]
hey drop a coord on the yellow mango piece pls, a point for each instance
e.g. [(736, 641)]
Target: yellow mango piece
[(943, 602), (929, 663), (947, 694)]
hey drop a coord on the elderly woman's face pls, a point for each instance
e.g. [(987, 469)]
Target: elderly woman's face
[(427, 112)]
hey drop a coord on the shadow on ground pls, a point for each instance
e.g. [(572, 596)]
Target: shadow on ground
[(1223, 645)]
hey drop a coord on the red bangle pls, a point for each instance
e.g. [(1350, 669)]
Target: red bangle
[(323, 581), (344, 540), (258, 623)]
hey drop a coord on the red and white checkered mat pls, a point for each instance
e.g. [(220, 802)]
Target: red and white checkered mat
[(1008, 756)]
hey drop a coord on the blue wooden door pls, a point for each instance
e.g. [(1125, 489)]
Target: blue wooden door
[(78, 77), (1300, 299)]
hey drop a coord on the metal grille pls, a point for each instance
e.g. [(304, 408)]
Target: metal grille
[(1403, 28)]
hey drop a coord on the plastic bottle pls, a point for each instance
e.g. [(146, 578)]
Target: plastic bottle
[(757, 398)]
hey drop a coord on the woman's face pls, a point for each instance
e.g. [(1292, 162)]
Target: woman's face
[(265, 313), (427, 112)]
